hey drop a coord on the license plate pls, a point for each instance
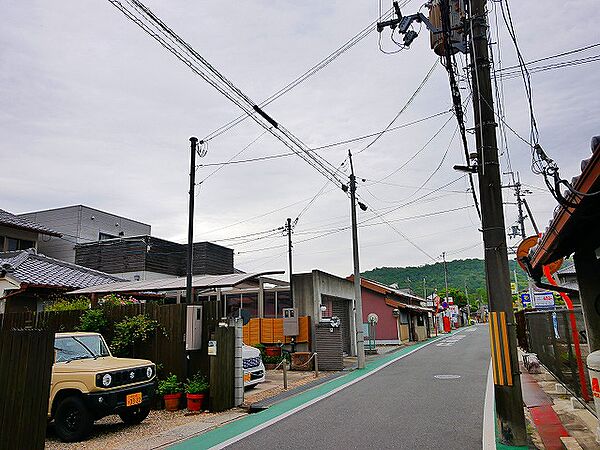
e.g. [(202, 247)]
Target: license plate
[(133, 399), (246, 377)]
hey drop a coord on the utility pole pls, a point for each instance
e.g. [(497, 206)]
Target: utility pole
[(288, 227), (424, 290), (190, 246), (445, 276), (507, 383), (358, 322), (520, 206)]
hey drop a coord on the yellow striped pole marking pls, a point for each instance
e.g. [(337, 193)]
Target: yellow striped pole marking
[(506, 350), (498, 351), (494, 363)]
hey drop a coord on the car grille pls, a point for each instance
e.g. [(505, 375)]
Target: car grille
[(123, 377), (249, 363)]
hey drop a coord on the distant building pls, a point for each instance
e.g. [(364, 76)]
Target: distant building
[(140, 258), (27, 279), (121, 246), (80, 224), (18, 233)]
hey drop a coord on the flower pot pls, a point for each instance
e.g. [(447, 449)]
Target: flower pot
[(194, 401), (172, 401), (273, 351)]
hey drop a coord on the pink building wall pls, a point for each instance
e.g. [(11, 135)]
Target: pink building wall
[(373, 302)]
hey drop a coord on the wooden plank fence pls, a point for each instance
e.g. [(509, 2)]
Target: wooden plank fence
[(26, 358), (166, 348), (270, 331)]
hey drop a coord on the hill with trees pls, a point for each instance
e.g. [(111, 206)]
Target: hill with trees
[(461, 273)]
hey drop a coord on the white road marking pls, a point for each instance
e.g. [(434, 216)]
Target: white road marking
[(270, 422), (489, 426), (446, 377), (451, 340)]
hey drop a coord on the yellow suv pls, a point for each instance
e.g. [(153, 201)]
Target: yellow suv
[(88, 383)]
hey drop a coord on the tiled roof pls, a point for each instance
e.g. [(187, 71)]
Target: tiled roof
[(562, 235), (31, 268), (10, 220)]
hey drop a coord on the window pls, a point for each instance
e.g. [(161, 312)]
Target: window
[(105, 236), (283, 301), (24, 244), (1, 243), (269, 297), (232, 305), (420, 321), (12, 244), (250, 303)]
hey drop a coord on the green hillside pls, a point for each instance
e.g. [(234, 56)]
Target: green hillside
[(469, 272)]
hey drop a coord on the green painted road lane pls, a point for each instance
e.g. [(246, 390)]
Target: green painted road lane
[(234, 429)]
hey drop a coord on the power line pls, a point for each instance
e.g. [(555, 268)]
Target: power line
[(165, 36), (325, 146), (304, 76), (557, 55), (404, 108)]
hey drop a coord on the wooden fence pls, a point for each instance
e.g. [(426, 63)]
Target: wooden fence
[(166, 347), (26, 358), (270, 331)]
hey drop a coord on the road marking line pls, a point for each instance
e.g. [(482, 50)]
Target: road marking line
[(280, 417), (489, 427)]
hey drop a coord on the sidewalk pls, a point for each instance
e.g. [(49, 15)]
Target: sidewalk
[(560, 420)]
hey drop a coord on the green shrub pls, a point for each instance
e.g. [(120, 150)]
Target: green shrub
[(67, 304), (170, 385), (93, 320), (197, 385), (130, 332)]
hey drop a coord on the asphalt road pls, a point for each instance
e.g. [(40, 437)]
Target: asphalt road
[(403, 406)]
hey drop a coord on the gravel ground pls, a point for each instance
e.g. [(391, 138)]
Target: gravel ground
[(111, 433)]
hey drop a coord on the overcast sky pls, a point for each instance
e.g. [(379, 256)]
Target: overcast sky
[(95, 112)]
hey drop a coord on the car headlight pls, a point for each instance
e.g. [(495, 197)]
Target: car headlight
[(106, 380), (149, 371)]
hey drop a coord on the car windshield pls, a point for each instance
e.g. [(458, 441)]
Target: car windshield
[(69, 348)]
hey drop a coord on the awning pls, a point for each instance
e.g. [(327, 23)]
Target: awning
[(400, 305), (573, 226), (176, 284)]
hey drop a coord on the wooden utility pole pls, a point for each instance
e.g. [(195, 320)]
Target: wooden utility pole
[(190, 246), (288, 227), (507, 384), (358, 321)]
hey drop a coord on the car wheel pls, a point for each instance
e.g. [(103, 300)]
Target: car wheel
[(133, 416), (73, 422)]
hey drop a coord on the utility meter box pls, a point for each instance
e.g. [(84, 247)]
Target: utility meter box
[(193, 330), (290, 322)]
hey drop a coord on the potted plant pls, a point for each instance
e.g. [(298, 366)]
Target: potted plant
[(170, 389), (195, 391)]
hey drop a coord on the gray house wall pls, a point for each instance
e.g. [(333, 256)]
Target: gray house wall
[(80, 224), (309, 289)]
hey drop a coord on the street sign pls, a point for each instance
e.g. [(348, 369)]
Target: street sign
[(543, 300), (526, 300), (513, 288)]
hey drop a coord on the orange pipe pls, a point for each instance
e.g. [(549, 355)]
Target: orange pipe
[(584, 390)]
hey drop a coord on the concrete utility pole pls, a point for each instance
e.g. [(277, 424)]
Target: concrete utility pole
[(288, 227), (507, 383), (445, 276), (360, 340), (190, 246)]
